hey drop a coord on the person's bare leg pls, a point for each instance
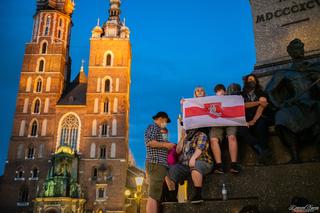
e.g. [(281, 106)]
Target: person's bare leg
[(196, 178), (152, 206), (171, 184), (215, 147), (233, 148)]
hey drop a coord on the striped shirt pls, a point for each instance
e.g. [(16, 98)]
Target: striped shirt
[(155, 155)]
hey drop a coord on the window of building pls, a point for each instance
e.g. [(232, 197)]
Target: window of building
[(47, 28), (35, 173), (34, 129), (41, 65), (23, 193), (102, 152), (19, 173), (94, 173), (105, 130), (36, 106), (69, 131), (109, 60), (106, 106), (30, 152), (38, 85), (44, 48), (107, 85)]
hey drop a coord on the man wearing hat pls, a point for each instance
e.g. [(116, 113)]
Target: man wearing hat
[(156, 161)]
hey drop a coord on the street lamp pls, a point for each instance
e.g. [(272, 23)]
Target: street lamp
[(138, 194)]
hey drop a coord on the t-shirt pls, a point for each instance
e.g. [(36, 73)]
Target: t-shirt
[(252, 97)]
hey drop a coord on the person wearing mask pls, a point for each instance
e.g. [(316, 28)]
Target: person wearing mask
[(156, 159), (256, 133)]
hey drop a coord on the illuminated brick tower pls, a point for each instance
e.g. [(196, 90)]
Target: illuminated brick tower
[(90, 115)]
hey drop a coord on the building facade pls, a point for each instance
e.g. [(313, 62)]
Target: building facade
[(90, 114)]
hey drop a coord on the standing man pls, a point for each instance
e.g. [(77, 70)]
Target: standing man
[(156, 162)]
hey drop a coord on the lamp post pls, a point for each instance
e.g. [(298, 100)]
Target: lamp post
[(138, 194)]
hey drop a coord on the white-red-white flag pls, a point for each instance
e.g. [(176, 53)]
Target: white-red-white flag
[(211, 111)]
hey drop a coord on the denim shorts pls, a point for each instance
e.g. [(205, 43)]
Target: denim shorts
[(178, 172)]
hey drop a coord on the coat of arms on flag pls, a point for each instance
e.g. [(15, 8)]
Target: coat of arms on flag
[(214, 111)]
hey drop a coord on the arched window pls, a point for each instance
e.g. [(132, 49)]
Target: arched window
[(41, 64), (105, 106), (105, 130), (102, 152), (107, 85), (44, 47), (23, 193), (47, 28), (60, 28), (93, 150), (35, 173), (30, 152), (19, 173), (38, 85), (36, 106), (108, 58), (34, 128), (114, 127), (70, 131)]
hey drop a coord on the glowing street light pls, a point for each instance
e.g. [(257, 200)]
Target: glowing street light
[(138, 194)]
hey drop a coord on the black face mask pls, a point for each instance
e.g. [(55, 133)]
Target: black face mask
[(251, 85)]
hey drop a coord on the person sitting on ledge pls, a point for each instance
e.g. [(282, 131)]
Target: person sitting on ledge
[(194, 158), (256, 133), (216, 138)]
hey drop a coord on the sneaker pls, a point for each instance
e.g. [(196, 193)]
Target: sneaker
[(235, 168), (218, 169), (196, 198)]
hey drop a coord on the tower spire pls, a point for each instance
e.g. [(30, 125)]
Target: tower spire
[(114, 11)]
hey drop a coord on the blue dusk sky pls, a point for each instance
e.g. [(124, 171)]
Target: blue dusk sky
[(176, 45)]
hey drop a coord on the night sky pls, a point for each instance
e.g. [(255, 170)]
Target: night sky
[(176, 46)]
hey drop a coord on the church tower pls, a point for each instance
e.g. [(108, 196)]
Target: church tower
[(44, 75), (108, 95)]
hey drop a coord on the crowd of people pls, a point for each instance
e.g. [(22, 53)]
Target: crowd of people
[(198, 151)]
